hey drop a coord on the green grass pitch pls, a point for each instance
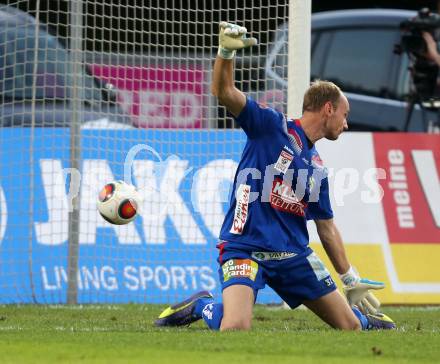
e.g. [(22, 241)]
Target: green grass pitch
[(125, 334)]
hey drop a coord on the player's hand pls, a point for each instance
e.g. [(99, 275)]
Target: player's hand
[(357, 291), (231, 38)]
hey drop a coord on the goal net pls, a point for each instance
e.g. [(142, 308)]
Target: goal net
[(96, 91)]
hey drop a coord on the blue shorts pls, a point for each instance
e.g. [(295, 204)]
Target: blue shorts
[(294, 277)]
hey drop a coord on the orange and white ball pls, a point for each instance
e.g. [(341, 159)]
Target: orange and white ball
[(118, 202)]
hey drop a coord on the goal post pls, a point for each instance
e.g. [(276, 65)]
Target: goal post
[(91, 90), (299, 53), (76, 11)]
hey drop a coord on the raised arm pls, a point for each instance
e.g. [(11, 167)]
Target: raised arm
[(223, 86), (231, 38)]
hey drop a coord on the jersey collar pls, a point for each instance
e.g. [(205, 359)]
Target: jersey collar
[(297, 136)]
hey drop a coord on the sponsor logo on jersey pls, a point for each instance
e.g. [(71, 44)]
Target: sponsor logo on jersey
[(283, 198), (240, 268), (241, 209), (263, 256), (283, 162)]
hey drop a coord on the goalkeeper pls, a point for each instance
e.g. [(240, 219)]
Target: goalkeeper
[(264, 238)]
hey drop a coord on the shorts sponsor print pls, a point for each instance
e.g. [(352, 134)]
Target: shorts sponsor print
[(262, 256), (239, 268), (294, 277), (318, 267)]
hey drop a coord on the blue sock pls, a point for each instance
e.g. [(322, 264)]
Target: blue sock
[(362, 318), (212, 313), (200, 305)]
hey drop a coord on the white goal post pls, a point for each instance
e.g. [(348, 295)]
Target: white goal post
[(299, 53)]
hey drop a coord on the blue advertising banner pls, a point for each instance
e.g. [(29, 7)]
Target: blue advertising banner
[(166, 254)]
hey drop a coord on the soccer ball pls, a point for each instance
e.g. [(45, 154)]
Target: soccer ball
[(118, 203)]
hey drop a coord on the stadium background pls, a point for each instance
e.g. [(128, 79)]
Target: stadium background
[(100, 13), (164, 262)]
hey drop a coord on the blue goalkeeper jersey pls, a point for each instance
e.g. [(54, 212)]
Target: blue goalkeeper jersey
[(280, 183)]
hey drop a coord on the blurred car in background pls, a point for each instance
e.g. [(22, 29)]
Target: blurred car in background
[(19, 36), (355, 49)]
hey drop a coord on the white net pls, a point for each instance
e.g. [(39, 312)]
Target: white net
[(85, 84)]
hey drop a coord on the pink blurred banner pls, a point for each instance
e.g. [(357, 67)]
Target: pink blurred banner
[(158, 97)]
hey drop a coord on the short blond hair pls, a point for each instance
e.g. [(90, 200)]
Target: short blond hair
[(319, 93)]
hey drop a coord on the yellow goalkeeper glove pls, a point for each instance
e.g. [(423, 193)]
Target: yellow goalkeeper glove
[(231, 38), (357, 291)]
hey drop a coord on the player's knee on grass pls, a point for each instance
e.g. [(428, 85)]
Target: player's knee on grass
[(238, 302), (349, 324), (238, 324), (333, 309), (345, 320)]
